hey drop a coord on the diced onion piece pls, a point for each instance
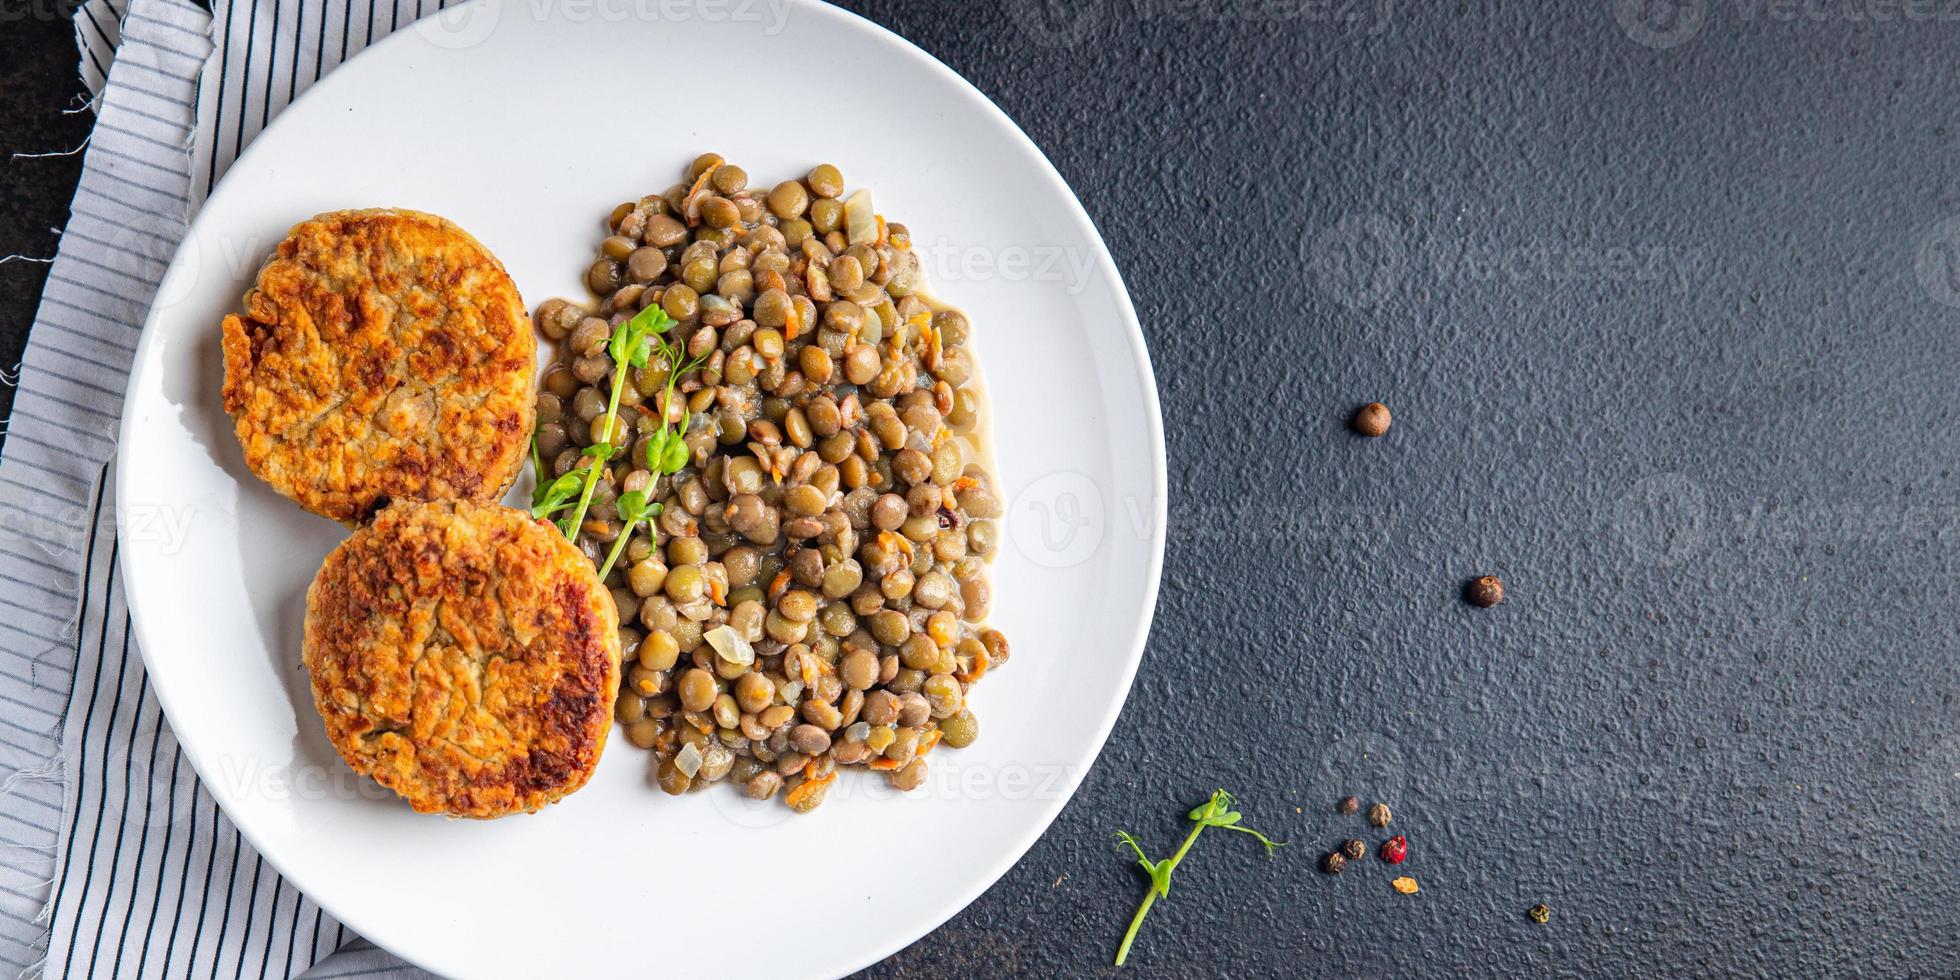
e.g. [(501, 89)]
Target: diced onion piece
[(858, 732), (730, 645), (860, 224), (791, 691), (688, 760), (873, 329)]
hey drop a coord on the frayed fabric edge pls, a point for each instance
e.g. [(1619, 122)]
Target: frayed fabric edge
[(55, 769)]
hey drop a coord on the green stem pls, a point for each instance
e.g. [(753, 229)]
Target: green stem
[(1123, 951), (572, 523), (1149, 899), (619, 545), (597, 464), (1189, 839)]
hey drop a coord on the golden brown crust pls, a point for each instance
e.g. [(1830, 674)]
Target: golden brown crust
[(465, 656), (383, 354)]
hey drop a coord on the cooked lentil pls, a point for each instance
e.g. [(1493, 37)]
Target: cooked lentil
[(832, 512)]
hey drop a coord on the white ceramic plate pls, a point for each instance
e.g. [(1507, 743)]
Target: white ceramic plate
[(525, 123)]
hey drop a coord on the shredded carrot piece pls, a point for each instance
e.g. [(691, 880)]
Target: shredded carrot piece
[(929, 340), (930, 739), (965, 483), (691, 203), (809, 672), (883, 231), (979, 669), (809, 788), (778, 584), (883, 765), (792, 326), (717, 592), (895, 542)]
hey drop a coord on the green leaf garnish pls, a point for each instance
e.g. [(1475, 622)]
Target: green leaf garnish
[(674, 456), (550, 498), (1215, 812)]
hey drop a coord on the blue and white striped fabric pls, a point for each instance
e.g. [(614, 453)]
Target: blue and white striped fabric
[(114, 861)]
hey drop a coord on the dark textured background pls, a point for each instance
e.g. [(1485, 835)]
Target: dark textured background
[(1667, 311)]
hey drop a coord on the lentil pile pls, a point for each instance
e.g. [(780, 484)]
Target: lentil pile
[(814, 589)]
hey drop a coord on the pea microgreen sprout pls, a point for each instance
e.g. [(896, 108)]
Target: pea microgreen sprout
[(1216, 812), (631, 344), (666, 452)]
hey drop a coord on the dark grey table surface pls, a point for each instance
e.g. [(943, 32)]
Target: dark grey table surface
[(1666, 299)]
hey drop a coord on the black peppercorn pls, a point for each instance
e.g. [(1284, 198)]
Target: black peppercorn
[(1348, 804), (1484, 592), (1379, 815), (1355, 850), (1333, 863)]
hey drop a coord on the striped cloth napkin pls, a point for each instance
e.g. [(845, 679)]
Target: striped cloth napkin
[(114, 861)]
